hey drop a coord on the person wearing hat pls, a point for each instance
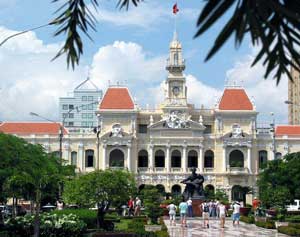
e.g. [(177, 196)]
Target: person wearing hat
[(236, 213)]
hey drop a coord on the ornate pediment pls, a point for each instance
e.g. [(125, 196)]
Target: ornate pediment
[(162, 125), (116, 133)]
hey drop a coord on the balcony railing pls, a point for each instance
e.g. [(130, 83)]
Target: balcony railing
[(159, 169), (237, 169), (143, 169), (208, 170), (176, 169)]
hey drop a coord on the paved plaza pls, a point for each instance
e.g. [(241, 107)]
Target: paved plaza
[(195, 229)]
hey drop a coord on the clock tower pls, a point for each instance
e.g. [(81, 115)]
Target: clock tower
[(175, 87)]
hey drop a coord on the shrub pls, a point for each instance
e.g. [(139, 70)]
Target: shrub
[(89, 217), (247, 219), (289, 230), (266, 224), (294, 219), (50, 225), (295, 225)]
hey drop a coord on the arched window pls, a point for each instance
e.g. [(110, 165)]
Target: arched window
[(74, 158), (263, 159), (161, 189), (159, 158), (192, 159), (236, 159), (176, 190), (143, 158), (209, 159), (175, 58), (116, 158), (56, 153), (89, 158), (176, 159), (278, 155), (238, 193)]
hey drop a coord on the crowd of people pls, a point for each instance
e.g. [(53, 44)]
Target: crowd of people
[(208, 208)]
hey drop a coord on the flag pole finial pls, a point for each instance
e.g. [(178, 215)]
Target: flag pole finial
[(175, 11)]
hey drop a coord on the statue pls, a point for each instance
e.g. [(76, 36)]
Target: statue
[(116, 131), (194, 185)]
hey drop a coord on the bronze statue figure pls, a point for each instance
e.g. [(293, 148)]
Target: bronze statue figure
[(194, 185)]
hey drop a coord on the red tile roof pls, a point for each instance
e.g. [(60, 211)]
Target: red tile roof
[(235, 99), (23, 128), (287, 130), (117, 98)]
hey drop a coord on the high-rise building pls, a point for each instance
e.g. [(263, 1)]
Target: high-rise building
[(294, 97), (79, 109)]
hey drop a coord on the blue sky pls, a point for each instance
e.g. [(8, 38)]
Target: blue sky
[(139, 40)]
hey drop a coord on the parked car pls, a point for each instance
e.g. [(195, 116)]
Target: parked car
[(295, 206)]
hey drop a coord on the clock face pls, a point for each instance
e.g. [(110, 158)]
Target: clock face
[(176, 90)]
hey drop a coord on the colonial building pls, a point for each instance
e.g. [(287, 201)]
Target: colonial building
[(160, 146)]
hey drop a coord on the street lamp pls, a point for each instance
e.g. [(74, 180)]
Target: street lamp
[(61, 133), (272, 125), (25, 31)]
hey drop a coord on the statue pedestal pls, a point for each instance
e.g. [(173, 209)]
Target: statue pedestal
[(196, 205)]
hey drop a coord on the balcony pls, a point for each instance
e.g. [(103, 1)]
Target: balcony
[(143, 169), (208, 170), (177, 65), (176, 170), (237, 170), (159, 169)]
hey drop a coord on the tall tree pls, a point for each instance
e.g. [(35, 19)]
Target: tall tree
[(273, 26), (100, 188)]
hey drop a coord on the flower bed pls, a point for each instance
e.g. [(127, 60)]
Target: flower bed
[(292, 229), (247, 219), (50, 225), (266, 224)]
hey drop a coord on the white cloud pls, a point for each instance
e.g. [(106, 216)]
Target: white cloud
[(146, 15), (29, 81), (267, 96)]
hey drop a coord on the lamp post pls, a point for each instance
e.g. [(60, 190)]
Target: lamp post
[(272, 125)]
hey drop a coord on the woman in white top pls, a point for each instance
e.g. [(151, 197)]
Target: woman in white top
[(222, 214), (172, 213)]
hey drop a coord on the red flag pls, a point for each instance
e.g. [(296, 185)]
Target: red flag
[(175, 9)]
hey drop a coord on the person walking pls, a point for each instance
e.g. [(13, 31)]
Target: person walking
[(222, 214), (205, 213), (130, 205), (172, 213), (236, 213), (183, 206), (190, 207), (138, 205)]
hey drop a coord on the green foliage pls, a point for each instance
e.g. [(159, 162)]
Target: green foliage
[(152, 198), (266, 224), (293, 219), (279, 182), (247, 219), (51, 225), (288, 230), (272, 26), (90, 189), (222, 196), (89, 217)]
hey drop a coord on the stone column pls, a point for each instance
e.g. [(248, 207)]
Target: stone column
[(128, 157), (224, 159), (168, 158), (104, 156), (249, 159), (81, 161), (97, 155), (184, 160), (66, 153), (200, 159), (151, 160)]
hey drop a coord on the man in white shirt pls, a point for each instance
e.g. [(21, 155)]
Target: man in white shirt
[(236, 213)]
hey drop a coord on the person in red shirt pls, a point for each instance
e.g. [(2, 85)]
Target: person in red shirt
[(130, 206)]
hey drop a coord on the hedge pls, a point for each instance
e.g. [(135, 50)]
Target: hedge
[(267, 224), (288, 230), (293, 219), (247, 219)]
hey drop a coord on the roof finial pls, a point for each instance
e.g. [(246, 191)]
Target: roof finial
[(175, 10), (175, 35)]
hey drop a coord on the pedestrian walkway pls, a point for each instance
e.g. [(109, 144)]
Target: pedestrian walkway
[(195, 229)]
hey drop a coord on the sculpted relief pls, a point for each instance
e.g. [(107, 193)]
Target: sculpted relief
[(176, 119), (116, 131)]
